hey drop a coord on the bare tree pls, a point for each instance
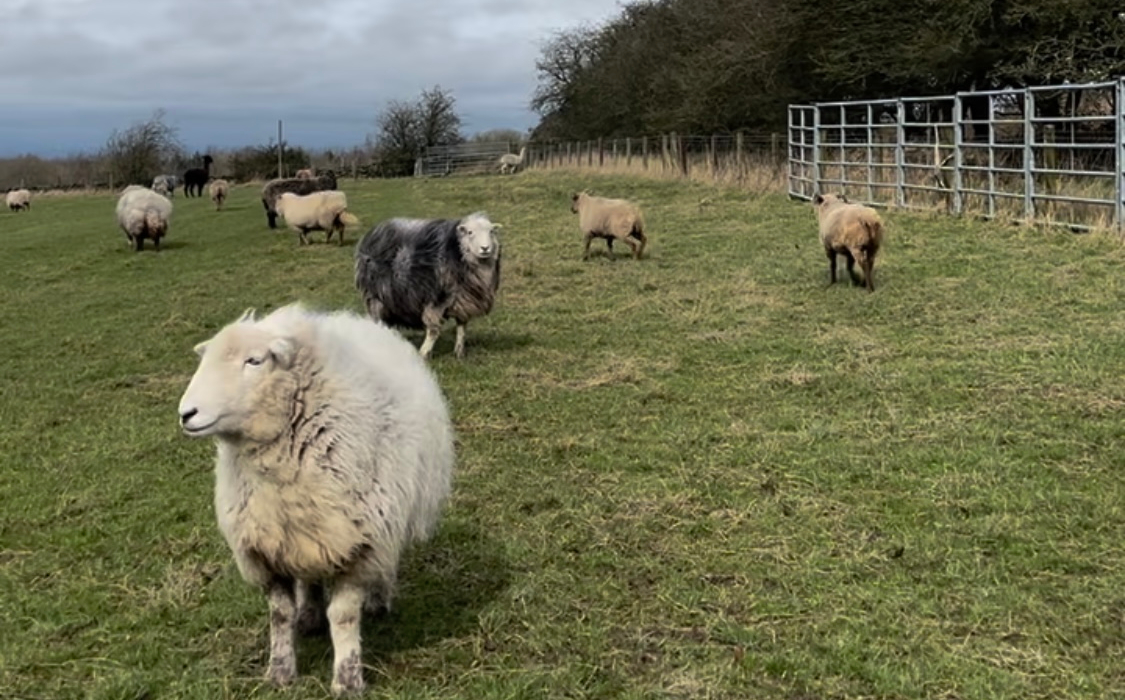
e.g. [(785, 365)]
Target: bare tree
[(407, 128), (139, 153)]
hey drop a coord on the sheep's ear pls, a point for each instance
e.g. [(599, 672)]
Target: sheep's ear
[(247, 316), (200, 348), (283, 351), (818, 199), (496, 226)]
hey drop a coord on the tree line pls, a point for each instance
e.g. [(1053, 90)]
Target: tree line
[(713, 66)]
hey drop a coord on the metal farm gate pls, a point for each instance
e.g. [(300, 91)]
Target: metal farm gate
[(1052, 154)]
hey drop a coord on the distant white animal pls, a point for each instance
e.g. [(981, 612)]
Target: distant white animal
[(141, 214), (335, 452), (219, 190), (511, 163), (18, 200), (165, 185)]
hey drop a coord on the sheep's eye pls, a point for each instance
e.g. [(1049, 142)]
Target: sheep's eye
[(253, 361)]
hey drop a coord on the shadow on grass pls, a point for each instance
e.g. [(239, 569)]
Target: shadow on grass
[(443, 586)]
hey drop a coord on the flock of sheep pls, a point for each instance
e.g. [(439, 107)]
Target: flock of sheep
[(335, 448)]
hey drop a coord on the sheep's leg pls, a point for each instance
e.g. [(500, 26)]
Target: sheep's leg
[(344, 618), (459, 345), (311, 617), (586, 252), (138, 243), (156, 243), (640, 237), (609, 247), (868, 266), (380, 596), (831, 265), (283, 659), (634, 246), (851, 268), (303, 234), (431, 319)]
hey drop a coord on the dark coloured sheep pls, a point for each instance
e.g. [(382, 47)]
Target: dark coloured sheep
[(416, 273)]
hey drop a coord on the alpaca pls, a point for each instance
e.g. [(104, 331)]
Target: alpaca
[(196, 178), (511, 163)]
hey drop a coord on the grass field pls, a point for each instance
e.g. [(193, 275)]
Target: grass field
[(701, 475)]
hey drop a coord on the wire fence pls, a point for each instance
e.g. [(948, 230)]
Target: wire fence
[(1051, 154)]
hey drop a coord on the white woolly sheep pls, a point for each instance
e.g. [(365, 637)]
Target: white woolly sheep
[(416, 273), (510, 163), (319, 211), (219, 191), (141, 214), (335, 453), (305, 174), (274, 188), (852, 230), (18, 199), (599, 217)]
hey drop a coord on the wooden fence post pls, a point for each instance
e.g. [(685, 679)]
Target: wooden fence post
[(739, 156), (644, 152), (663, 152), (628, 151), (714, 154), (601, 153)]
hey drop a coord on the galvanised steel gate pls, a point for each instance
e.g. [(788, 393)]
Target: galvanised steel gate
[(1052, 154)]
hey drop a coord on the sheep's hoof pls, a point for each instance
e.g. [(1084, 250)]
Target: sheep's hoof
[(282, 673), (348, 678)]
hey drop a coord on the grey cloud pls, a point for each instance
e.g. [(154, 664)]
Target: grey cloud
[(219, 69)]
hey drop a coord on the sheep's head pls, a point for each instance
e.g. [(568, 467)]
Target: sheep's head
[(478, 237), (243, 386), (826, 201), (575, 199)]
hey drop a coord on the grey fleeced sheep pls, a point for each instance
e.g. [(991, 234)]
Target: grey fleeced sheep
[(273, 189), (326, 211), (219, 191), (416, 273), (141, 214), (335, 453), (599, 217), (165, 185), (852, 230), (18, 200)]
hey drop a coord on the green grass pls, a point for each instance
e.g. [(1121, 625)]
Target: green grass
[(703, 475)]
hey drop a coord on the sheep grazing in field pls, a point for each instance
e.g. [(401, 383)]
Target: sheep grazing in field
[(18, 200), (416, 273), (196, 178), (165, 185), (599, 217), (141, 214), (335, 453), (305, 174), (219, 191), (852, 230), (510, 163), (274, 188), (319, 211)]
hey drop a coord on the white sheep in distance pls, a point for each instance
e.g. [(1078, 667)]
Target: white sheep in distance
[(18, 200), (600, 217), (416, 273), (335, 453), (141, 214), (305, 174), (319, 211), (510, 163), (852, 230), (274, 188), (219, 191)]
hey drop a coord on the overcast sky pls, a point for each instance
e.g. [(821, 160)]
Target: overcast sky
[(226, 70)]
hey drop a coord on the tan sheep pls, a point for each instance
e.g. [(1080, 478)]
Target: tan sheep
[(305, 174), (326, 211), (219, 191), (599, 217), (19, 199), (852, 230)]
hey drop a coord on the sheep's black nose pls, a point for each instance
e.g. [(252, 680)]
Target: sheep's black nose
[(187, 415)]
